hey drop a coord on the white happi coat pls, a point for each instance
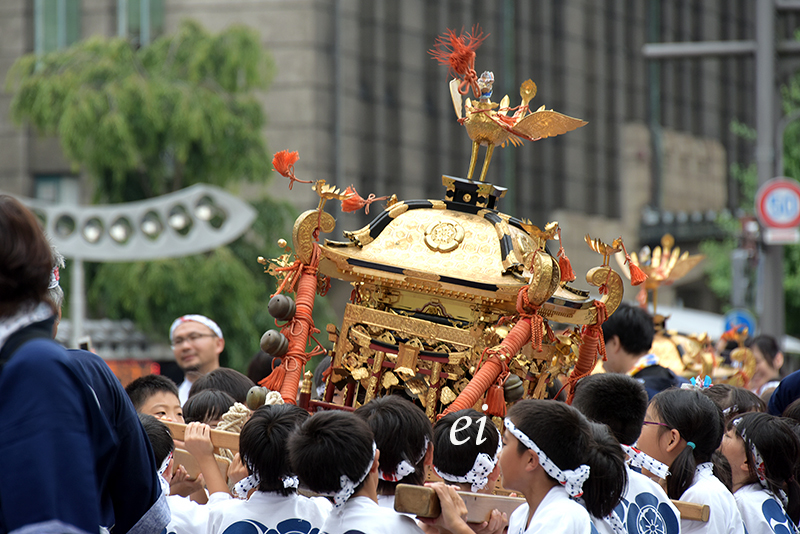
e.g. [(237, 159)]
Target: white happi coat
[(762, 512), (267, 512), (644, 509), (188, 517), (556, 514), (707, 489), (362, 515)]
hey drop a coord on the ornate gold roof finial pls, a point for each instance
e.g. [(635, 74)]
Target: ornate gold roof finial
[(664, 265), (488, 123)]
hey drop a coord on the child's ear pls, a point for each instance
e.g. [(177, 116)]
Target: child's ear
[(744, 467), (495, 474), (532, 460), (376, 463), (674, 440)]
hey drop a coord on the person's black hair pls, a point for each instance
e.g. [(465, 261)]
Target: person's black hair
[(634, 327), (262, 444), (261, 366), (553, 390), (159, 435), (144, 387), (698, 420), (570, 440), (225, 379), (401, 431), (328, 445), (26, 259), (722, 469), (776, 442), (207, 405), (767, 346), (614, 399), (792, 411), (457, 459), (733, 400)]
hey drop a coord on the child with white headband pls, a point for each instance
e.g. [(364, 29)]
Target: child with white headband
[(682, 429), (334, 454), (403, 434), (620, 402), (270, 489), (566, 469), (465, 453), (466, 450), (763, 450)]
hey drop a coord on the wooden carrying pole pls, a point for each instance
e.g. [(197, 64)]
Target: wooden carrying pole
[(219, 438), (423, 502)]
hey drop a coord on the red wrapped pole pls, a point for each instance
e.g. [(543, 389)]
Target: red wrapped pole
[(592, 343), (299, 329), (492, 367)]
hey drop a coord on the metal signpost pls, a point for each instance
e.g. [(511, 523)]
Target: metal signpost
[(770, 285)]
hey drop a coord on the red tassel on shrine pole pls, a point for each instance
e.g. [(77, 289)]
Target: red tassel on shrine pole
[(637, 275), (496, 401), (564, 265)]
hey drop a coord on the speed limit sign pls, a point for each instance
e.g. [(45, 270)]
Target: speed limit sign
[(778, 209)]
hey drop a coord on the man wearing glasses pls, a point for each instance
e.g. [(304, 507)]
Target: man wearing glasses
[(197, 342)]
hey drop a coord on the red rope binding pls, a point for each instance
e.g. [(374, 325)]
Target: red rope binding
[(592, 343), (288, 374)]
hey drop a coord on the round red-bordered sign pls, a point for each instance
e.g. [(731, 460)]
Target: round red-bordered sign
[(778, 203)]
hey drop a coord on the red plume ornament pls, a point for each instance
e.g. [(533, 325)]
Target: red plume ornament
[(458, 53), (283, 163), (354, 202)]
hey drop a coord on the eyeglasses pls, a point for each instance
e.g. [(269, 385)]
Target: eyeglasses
[(191, 338), (654, 423)]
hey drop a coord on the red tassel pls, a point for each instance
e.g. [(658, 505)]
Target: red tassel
[(567, 274), (354, 202), (283, 163), (637, 275), (496, 401), (275, 379)]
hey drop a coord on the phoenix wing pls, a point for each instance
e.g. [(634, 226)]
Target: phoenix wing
[(545, 123)]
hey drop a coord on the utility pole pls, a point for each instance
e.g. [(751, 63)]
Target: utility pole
[(770, 296)]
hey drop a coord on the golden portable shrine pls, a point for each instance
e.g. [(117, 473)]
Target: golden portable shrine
[(452, 299)]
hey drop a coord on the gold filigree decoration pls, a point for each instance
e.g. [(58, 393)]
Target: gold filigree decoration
[(389, 380), (447, 396)]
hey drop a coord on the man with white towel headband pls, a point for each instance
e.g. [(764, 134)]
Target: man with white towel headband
[(197, 342)]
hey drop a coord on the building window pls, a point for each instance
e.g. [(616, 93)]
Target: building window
[(56, 24), (141, 21), (56, 188)]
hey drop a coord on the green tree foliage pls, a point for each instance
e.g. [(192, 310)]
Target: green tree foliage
[(149, 121)]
